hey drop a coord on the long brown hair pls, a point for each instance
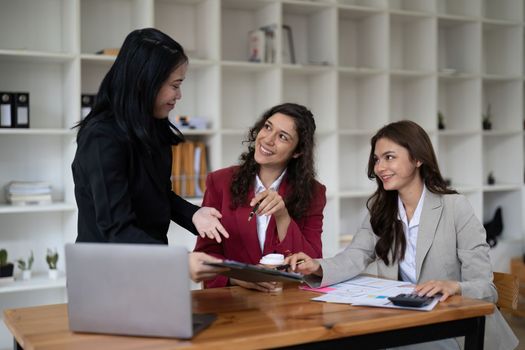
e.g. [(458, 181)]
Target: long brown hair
[(382, 205), (300, 171)]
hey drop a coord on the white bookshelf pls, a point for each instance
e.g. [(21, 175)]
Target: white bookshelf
[(359, 65)]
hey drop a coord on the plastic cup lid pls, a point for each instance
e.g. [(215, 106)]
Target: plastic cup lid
[(272, 259)]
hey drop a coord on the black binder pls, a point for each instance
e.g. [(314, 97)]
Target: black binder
[(7, 110), (21, 102), (87, 102)]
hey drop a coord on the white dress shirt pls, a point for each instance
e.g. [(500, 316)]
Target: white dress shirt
[(407, 267), (263, 220)]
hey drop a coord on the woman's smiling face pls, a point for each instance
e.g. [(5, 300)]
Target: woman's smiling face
[(276, 142), (394, 166), (170, 92)]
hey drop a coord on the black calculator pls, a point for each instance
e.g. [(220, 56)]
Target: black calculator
[(412, 300)]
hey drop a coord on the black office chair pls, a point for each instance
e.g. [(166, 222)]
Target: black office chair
[(494, 228)]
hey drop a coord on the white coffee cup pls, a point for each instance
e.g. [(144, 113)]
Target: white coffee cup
[(272, 261)]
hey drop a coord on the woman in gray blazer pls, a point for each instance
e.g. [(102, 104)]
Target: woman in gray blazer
[(417, 230)]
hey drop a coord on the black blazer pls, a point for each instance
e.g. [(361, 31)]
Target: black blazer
[(124, 193)]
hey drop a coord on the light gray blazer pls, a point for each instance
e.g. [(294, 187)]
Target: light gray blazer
[(451, 245)]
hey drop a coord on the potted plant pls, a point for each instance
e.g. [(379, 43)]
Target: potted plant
[(6, 268), (487, 124), (25, 267), (52, 259)]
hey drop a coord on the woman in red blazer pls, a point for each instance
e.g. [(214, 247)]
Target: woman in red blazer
[(277, 171)]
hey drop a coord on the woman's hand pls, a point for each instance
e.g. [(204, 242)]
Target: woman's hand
[(271, 203), (199, 271), (206, 220), (302, 263), (446, 288), (260, 286)]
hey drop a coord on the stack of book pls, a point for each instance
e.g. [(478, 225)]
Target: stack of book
[(28, 192), (189, 169), (261, 44)]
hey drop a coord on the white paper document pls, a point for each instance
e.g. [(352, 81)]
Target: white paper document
[(370, 291)]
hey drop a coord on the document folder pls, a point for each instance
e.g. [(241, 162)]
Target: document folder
[(7, 109), (22, 109)]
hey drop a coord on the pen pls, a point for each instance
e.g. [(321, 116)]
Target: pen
[(287, 266), (252, 213)]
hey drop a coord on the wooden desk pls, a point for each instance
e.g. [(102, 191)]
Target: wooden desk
[(250, 320)]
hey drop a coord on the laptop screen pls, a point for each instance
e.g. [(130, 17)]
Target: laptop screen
[(129, 289)]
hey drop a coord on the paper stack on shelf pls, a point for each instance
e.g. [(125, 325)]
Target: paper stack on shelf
[(189, 169), (28, 192)]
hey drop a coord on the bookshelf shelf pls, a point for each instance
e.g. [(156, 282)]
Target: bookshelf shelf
[(29, 132), (55, 207), (359, 65), (34, 56), (243, 66), (501, 188), (38, 281), (198, 132), (87, 57)]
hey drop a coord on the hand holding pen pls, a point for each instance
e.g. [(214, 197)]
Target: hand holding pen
[(288, 266), (268, 202), (254, 210), (302, 263)]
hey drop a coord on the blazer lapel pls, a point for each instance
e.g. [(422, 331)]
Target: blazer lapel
[(248, 230), (430, 215)]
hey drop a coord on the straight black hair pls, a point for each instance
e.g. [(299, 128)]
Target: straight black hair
[(128, 91)]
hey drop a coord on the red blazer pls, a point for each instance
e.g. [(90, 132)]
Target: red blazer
[(303, 235)]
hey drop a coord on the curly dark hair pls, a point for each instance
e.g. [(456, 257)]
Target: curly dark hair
[(300, 171), (382, 205)]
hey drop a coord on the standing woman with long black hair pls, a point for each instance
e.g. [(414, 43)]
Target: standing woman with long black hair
[(122, 165)]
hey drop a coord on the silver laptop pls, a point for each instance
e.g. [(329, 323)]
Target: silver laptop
[(131, 289)]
